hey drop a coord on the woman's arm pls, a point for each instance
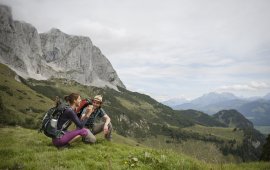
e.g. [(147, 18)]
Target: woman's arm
[(73, 116)]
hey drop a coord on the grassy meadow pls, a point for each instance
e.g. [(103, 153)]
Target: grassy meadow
[(22, 148), (223, 133), (24, 106)]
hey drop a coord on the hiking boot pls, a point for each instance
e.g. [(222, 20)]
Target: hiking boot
[(108, 138)]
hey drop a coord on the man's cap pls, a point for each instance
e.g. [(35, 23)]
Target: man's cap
[(98, 98)]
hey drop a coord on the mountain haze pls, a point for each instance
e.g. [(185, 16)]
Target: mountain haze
[(255, 109), (175, 101), (267, 96), (207, 99)]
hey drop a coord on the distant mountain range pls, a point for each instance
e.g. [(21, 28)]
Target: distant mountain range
[(256, 109), (175, 102)]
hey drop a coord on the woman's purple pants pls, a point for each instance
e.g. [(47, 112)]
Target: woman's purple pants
[(68, 136)]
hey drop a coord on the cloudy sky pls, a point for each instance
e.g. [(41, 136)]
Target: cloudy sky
[(172, 48)]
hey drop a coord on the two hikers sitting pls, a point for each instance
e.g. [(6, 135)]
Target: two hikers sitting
[(58, 118)]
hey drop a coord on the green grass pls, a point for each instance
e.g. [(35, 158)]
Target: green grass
[(22, 148), (22, 104), (143, 107), (223, 133), (201, 150)]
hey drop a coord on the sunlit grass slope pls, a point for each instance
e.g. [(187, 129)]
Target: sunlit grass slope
[(22, 104), (223, 133), (22, 148)]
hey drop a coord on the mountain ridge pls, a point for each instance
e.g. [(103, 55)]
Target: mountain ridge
[(256, 109), (233, 118), (53, 54)]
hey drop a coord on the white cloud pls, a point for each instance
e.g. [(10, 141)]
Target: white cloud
[(98, 30), (253, 86), (259, 85)]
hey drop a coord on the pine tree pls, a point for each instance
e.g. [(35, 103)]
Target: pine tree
[(266, 150)]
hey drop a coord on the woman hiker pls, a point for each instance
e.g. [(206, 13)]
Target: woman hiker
[(70, 115)]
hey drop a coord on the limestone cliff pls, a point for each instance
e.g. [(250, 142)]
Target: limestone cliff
[(52, 54)]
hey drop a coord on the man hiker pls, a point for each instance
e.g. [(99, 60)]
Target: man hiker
[(92, 112)]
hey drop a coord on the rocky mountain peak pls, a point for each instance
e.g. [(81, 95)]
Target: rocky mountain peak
[(55, 31), (53, 54), (6, 23)]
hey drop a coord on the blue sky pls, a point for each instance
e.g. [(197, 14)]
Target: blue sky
[(169, 49)]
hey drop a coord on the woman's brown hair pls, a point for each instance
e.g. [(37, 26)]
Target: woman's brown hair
[(70, 98)]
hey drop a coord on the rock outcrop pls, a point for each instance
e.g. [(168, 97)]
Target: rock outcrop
[(53, 54)]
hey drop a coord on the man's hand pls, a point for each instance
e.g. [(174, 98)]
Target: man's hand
[(107, 120), (105, 129)]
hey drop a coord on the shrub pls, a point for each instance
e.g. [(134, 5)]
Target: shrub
[(6, 89)]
